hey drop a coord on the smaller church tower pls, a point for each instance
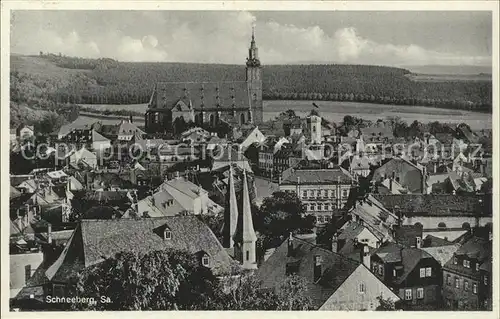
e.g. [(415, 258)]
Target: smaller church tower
[(315, 128), (254, 81), (233, 208), (249, 239)]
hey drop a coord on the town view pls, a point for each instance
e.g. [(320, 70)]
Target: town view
[(250, 161)]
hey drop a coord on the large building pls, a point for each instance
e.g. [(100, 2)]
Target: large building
[(238, 102)]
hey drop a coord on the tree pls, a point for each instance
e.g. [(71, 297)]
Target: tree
[(280, 214), (292, 294), (159, 280), (387, 304)]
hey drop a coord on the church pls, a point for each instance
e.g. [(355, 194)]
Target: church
[(208, 103)]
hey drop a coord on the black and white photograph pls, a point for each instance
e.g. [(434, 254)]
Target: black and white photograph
[(250, 158)]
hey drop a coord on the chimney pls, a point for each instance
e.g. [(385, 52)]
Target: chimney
[(419, 242), (335, 243), (290, 245), (317, 267), (366, 256), (130, 119), (49, 233)]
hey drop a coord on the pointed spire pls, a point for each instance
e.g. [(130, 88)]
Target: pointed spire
[(233, 208), (248, 231), (253, 33)]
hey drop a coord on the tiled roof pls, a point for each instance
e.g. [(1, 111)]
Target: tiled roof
[(408, 257), (14, 193), (433, 241), (94, 240), (335, 269), (442, 253), (319, 176), (475, 248), (437, 204), (190, 93), (406, 235), (351, 231)]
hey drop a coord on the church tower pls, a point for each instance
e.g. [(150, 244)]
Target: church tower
[(233, 208), (249, 240), (254, 81)]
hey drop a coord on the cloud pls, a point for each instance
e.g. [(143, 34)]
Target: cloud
[(219, 37), (68, 44)]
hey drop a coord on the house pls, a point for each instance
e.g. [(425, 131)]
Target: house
[(377, 134), (467, 276), (26, 132), (441, 215), (267, 150), (334, 282), (193, 198), (360, 166), (413, 274), (409, 175), (123, 131), (322, 191), (83, 155), (357, 232), (250, 136), (94, 240), (99, 142), (22, 268), (28, 186), (195, 135)]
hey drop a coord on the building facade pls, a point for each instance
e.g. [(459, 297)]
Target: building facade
[(322, 191), (173, 104)]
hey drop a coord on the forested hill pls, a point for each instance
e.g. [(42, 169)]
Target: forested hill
[(108, 81)]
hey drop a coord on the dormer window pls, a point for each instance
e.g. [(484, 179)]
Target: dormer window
[(205, 261), (167, 234)]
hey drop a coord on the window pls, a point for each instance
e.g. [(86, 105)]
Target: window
[(248, 255), (205, 261), (394, 273), (441, 225), (428, 272), (420, 293), (419, 241), (466, 263), (477, 266), (485, 280), (313, 207), (408, 294), (362, 288), (317, 260), (455, 260), (167, 234), (344, 193), (304, 194), (474, 288), (466, 285), (448, 280), (456, 282), (422, 272), (27, 273)]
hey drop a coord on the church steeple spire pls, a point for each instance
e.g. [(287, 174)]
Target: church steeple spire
[(233, 208), (253, 51), (249, 236)]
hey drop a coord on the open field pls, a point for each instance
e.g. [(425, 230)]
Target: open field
[(449, 77), (335, 111)]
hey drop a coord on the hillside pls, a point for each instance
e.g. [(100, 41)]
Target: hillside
[(105, 81)]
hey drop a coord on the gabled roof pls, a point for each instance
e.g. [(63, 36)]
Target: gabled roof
[(96, 137), (318, 176), (94, 240), (442, 253), (477, 248), (335, 268), (408, 257), (229, 93), (437, 204)]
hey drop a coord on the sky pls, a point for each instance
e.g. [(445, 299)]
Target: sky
[(395, 38)]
